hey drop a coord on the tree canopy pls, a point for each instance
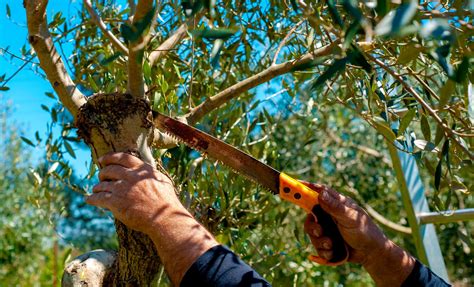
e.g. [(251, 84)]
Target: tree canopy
[(315, 88)]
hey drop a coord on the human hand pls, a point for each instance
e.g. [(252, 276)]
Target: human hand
[(135, 192), (357, 229), (388, 264)]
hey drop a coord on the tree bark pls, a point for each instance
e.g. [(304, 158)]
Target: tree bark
[(121, 122)]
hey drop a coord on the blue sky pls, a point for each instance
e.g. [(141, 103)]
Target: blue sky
[(27, 89)]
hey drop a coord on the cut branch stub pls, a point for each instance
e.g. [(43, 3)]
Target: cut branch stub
[(116, 122), (121, 122)]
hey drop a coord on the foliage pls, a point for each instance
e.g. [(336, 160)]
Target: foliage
[(27, 236), (392, 69)]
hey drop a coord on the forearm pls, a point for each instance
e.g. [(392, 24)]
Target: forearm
[(180, 240), (391, 266)]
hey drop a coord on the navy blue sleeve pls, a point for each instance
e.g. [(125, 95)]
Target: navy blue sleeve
[(422, 276), (221, 267)]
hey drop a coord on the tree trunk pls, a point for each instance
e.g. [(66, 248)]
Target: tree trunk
[(120, 122)]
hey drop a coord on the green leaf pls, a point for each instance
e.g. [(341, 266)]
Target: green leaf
[(110, 59), (334, 13), (92, 169), (397, 19), (216, 51), (132, 32), (439, 134), (351, 7), (269, 118), (446, 92), (350, 33), (383, 6), (407, 54), (66, 256), (9, 13), (69, 149), (4, 88), (53, 167), (176, 68), (191, 7), (214, 33), (54, 115), (438, 171), (383, 128), (27, 141), (294, 5), (406, 120), (441, 55), (425, 128), (335, 69), (356, 58), (462, 70), (470, 98), (50, 95), (426, 145)]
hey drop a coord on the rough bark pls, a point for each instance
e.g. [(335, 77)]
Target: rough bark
[(121, 122), (88, 269)]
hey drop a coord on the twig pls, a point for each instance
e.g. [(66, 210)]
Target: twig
[(448, 132), (271, 72), (283, 42), (98, 21), (50, 61), (173, 40)]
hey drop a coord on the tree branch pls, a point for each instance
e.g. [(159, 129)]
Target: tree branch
[(387, 223), (132, 6), (283, 42), (447, 131), (136, 82), (174, 39), (50, 61), (273, 71), (98, 21)]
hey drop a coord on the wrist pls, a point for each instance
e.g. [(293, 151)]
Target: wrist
[(180, 240), (389, 265)]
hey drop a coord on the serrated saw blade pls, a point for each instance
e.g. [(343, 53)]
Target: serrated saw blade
[(230, 156)]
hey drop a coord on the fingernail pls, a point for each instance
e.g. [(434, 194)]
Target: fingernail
[(326, 197), (316, 233), (100, 159), (326, 245)]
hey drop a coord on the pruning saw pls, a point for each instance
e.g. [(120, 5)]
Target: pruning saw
[(279, 183)]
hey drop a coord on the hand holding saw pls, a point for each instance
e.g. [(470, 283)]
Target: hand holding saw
[(278, 183)]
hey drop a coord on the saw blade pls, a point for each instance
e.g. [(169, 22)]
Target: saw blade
[(224, 153)]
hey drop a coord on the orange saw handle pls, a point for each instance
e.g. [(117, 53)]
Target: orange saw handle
[(295, 192)]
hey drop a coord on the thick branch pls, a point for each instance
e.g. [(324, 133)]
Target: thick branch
[(50, 60), (273, 71), (132, 6), (98, 21), (136, 83), (174, 39), (448, 131)]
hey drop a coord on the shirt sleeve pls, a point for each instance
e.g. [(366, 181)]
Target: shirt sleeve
[(422, 276), (221, 267)]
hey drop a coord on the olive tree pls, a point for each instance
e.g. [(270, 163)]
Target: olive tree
[(394, 66)]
